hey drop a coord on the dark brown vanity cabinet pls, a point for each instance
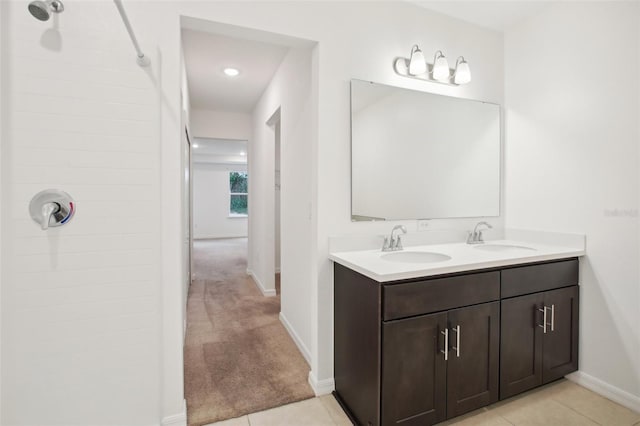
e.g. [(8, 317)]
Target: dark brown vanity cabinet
[(532, 352), (473, 366), (440, 365), (417, 352), (414, 371)]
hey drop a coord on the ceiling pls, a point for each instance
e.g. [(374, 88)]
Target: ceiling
[(496, 15), (207, 54)]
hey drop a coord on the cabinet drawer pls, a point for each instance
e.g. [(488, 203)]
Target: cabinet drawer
[(535, 278), (439, 294)]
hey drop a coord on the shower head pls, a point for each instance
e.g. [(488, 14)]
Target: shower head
[(41, 10)]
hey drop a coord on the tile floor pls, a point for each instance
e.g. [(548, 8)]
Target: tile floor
[(562, 403)]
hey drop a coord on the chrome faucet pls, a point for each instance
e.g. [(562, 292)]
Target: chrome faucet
[(475, 237), (394, 243)]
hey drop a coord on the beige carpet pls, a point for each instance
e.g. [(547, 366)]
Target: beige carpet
[(239, 359)]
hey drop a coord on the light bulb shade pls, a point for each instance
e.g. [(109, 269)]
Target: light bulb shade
[(440, 67), (417, 64), (463, 73)]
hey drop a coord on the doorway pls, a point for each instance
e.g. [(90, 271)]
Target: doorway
[(242, 354), (274, 124)]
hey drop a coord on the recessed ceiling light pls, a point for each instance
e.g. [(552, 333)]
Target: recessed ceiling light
[(195, 145), (231, 72)]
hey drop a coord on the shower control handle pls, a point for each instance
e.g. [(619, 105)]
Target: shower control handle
[(48, 209), (51, 207)]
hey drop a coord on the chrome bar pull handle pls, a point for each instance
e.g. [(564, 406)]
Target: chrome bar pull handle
[(457, 346), (544, 319), (553, 317), (446, 344)]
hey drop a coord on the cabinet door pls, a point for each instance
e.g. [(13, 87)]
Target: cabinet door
[(472, 370), (413, 371), (560, 342), (520, 344)]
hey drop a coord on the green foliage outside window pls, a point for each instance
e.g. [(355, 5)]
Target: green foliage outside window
[(239, 188)]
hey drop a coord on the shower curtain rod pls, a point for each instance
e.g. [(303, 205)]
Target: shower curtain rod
[(142, 60)]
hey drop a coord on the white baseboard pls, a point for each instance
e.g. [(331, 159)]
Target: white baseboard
[(179, 419), (296, 339), (321, 387), (613, 393), (258, 283)]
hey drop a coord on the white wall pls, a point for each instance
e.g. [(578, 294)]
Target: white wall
[(289, 93), (572, 162), (81, 340), (220, 124), (211, 202)]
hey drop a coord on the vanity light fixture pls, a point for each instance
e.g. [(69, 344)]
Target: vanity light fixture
[(462, 74), (417, 64), (438, 72)]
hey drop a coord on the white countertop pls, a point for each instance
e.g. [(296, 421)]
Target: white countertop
[(464, 257)]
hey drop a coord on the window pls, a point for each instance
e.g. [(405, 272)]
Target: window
[(238, 189)]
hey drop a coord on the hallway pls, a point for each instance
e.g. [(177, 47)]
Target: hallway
[(239, 358)]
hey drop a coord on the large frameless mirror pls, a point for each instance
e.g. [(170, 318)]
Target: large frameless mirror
[(417, 155)]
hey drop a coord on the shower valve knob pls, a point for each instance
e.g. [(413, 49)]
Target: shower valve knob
[(51, 207)]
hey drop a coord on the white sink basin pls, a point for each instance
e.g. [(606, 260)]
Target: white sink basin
[(415, 257), (502, 247)]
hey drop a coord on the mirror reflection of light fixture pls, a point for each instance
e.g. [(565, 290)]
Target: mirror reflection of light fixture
[(462, 74), (438, 72), (417, 64)]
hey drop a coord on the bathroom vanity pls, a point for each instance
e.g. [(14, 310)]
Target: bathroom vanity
[(434, 331), (416, 343)]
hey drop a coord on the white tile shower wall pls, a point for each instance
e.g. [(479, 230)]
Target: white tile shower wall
[(80, 303)]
